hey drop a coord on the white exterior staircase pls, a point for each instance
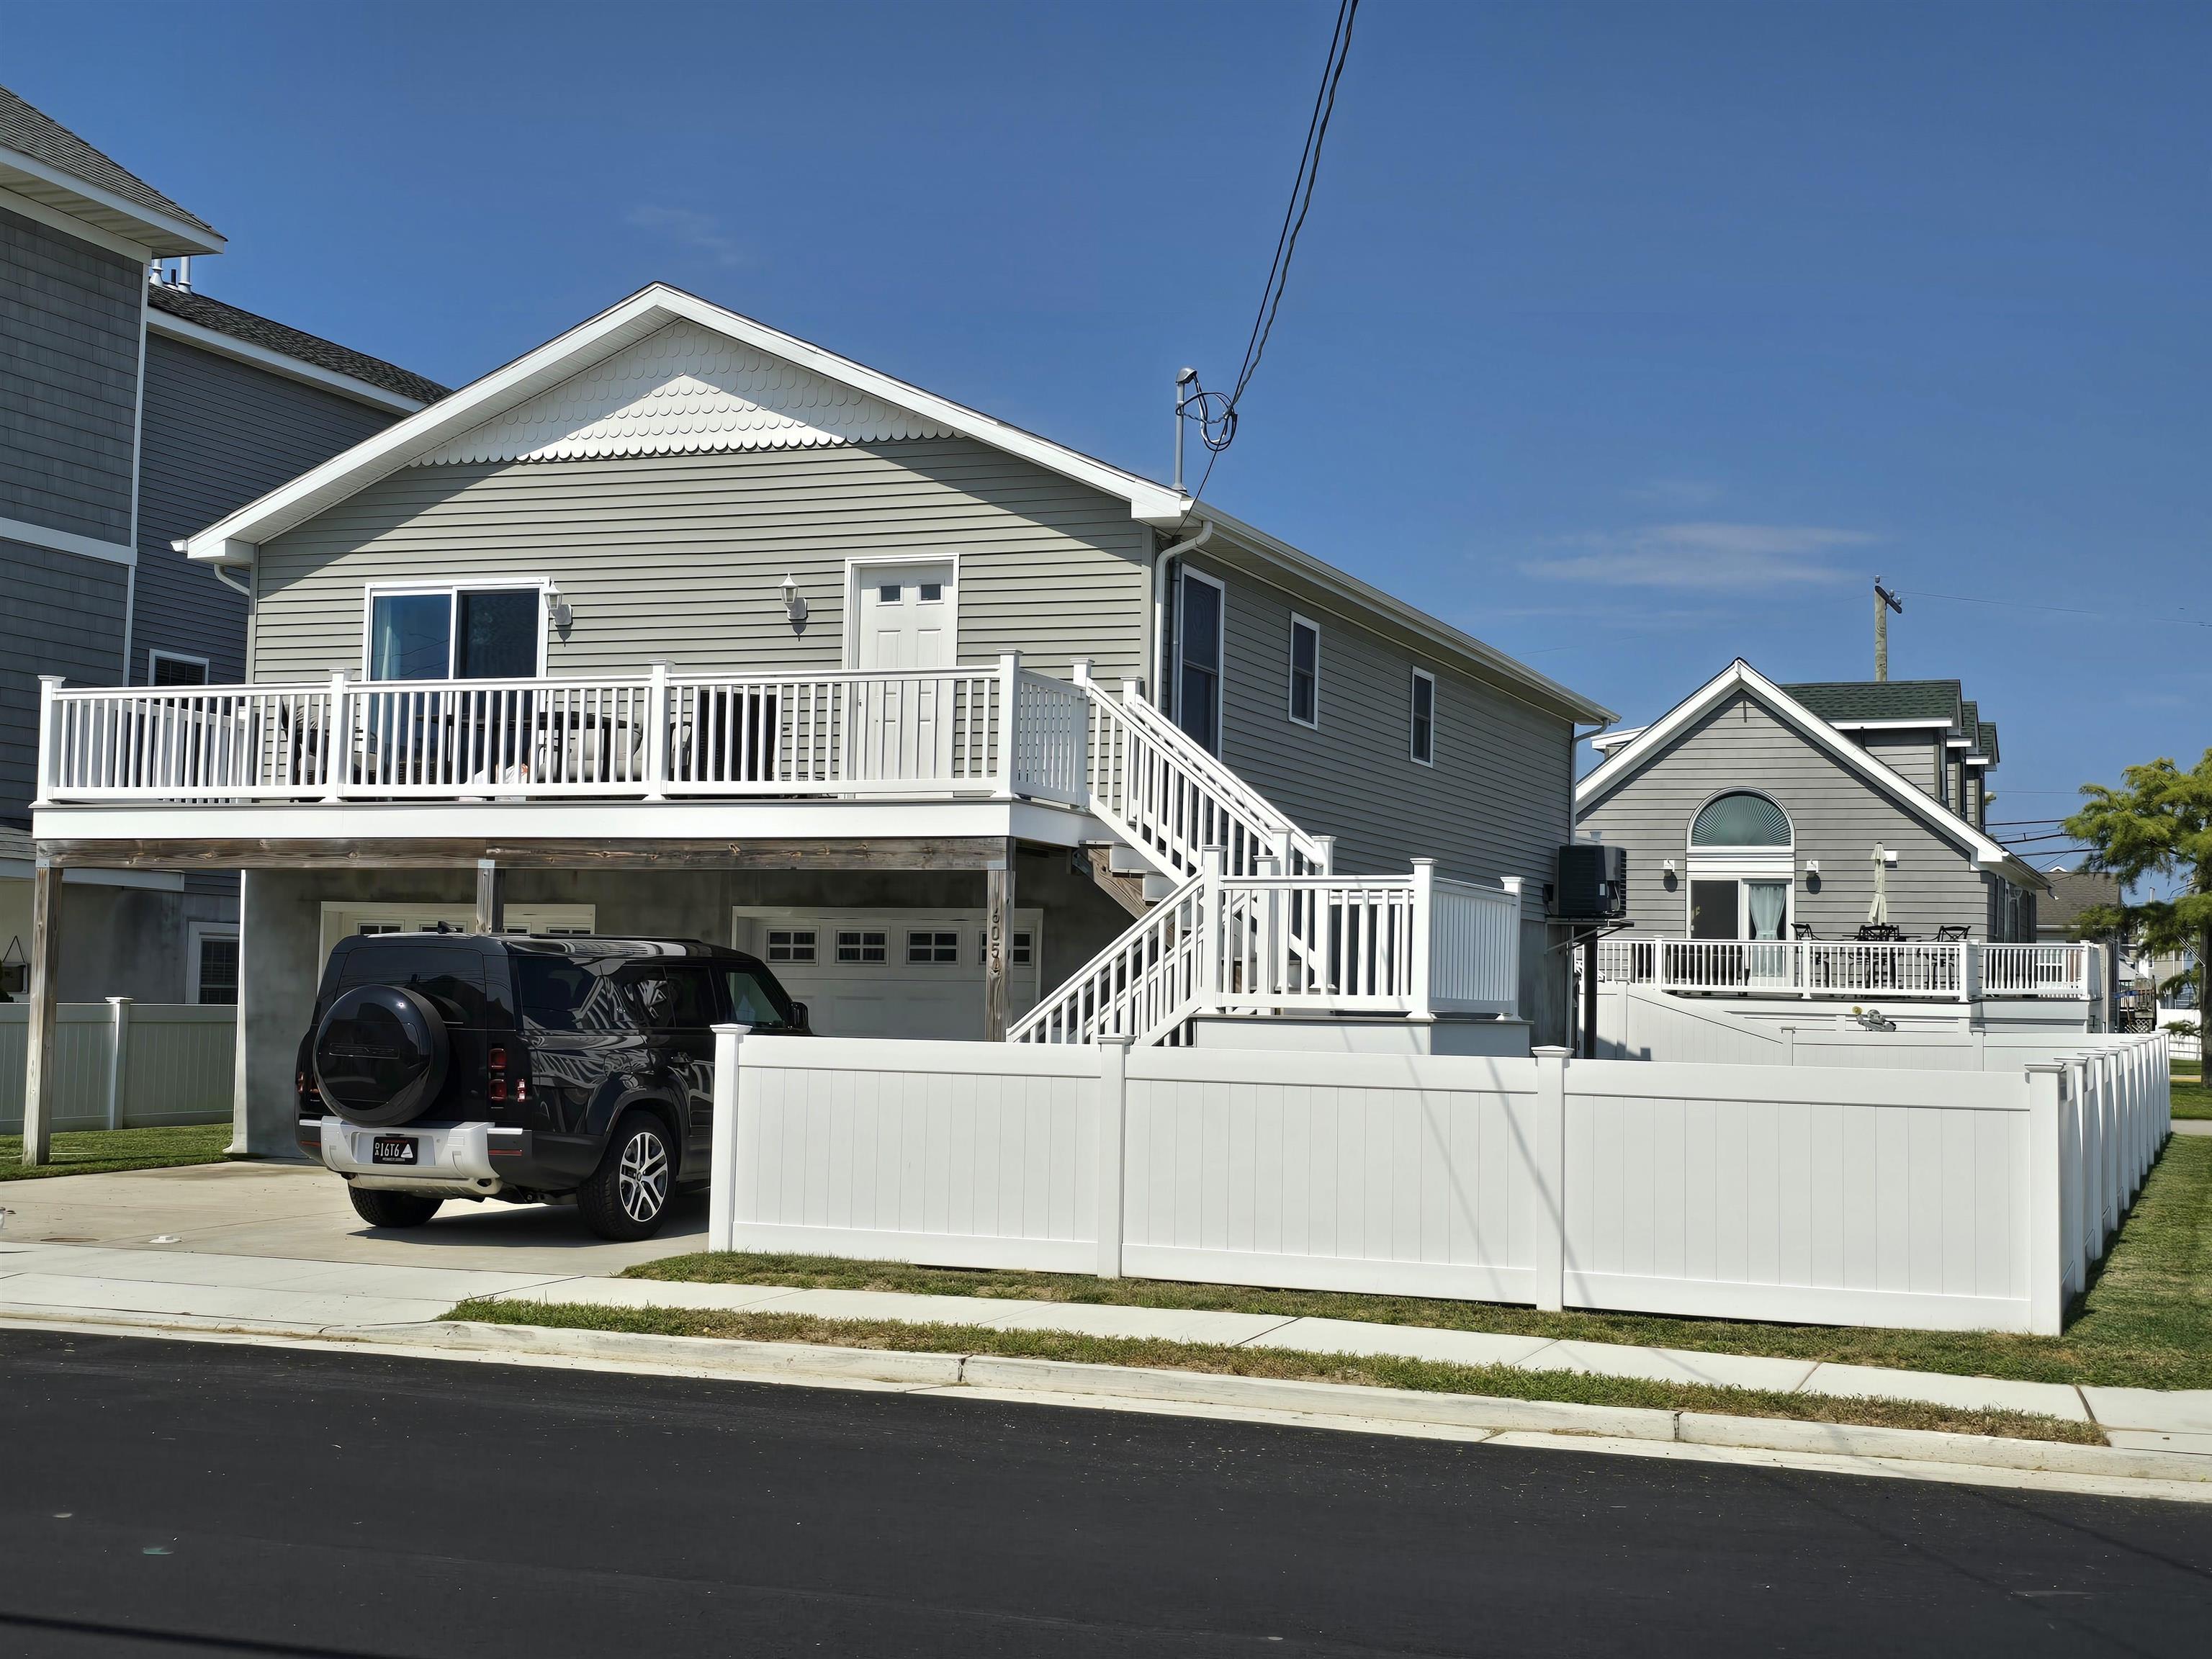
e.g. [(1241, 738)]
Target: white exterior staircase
[(1259, 922)]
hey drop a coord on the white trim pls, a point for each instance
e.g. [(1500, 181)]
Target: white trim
[(54, 219), (137, 466), (67, 541), (232, 538), (499, 823), (196, 933), (154, 654), (174, 235), (1934, 723), (1690, 829), (276, 362), (1291, 691), (1411, 713), (1185, 571), (1984, 853), (855, 566), (453, 587), (1743, 872), (1974, 760), (1605, 742)]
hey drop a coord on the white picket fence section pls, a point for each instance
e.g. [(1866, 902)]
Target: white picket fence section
[(1896, 1197), (122, 1065)]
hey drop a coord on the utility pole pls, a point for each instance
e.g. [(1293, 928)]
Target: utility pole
[(1884, 603)]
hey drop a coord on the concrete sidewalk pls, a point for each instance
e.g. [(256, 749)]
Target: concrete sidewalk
[(278, 1247)]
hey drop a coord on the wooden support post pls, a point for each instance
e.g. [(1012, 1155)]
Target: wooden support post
[(997, 905), (488, 884), (39, 1078)]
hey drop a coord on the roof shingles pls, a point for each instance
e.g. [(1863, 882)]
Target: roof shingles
[(294, 342), (1844, 701), (24, 130)]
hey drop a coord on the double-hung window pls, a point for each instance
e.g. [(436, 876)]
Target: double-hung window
[(1198, 690), (1422, 740), (1305, 672)]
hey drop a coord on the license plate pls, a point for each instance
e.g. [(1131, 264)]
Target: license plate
[(392, 1148)]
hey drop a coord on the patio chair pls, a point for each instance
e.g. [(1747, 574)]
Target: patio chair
[(1802, 930), (1952, 935), (1879, 932)]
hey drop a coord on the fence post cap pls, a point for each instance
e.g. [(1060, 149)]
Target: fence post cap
[(1551, 1051), (2048, 1066), (120, 1002), (1418, 863), (53, 679), (1117, 1039), (730, 1030)]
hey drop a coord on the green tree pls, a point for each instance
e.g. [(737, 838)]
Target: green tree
[(2158, 826)]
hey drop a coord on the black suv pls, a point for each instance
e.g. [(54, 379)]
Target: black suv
[(470, 1066)]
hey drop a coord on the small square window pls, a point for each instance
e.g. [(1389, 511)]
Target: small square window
[(860, 947), (1019, 949), (932, 947), (218, 969), (791, 944), (888, 592), (932, 592)]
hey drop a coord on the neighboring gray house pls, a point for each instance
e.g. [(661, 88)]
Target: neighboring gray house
[(132, 411), (1752, 810), (681, 625)]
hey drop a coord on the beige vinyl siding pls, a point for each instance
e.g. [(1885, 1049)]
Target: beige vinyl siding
[(1498, 802), (679, 557), (1837, 816)]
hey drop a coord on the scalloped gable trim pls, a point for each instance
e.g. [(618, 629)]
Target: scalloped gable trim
[(684, 390)]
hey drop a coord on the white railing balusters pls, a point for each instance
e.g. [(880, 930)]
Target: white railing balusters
[(1808, 968)]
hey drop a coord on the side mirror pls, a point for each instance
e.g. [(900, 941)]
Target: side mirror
[(798, 1018)]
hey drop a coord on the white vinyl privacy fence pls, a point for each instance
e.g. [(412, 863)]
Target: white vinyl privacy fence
[(121, 1064), (1893, 1197)]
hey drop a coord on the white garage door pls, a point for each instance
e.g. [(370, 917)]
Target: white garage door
[(891, 973)]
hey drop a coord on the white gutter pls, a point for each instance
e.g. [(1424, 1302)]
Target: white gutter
[(1161, 561), (222, 573)]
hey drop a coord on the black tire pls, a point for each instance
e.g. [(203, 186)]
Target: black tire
[(628, 1195), (381, 1208), (381, 1055)]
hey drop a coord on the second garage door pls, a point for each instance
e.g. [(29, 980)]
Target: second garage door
[(891, 973)]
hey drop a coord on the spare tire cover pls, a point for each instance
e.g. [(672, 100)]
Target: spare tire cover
[(380, 1054)]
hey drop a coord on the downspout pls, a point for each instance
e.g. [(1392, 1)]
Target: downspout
[(1161, 563), (222, 575)]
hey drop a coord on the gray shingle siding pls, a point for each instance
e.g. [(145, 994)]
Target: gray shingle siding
[(1837, 817), (679, 556), (68, 381), (218, 433), (60, 613)]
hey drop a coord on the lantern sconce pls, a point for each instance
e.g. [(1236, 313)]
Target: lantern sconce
[(556, 607), (794, 603), (1812, 867)]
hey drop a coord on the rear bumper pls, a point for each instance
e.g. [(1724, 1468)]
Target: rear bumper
[(477, 1159)]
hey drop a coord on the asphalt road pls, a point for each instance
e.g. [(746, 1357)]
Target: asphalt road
[(174, 1497)]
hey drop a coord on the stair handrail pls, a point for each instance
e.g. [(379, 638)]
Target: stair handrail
[(1120, 728), (1144, 984)]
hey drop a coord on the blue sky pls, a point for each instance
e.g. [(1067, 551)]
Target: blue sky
[(1631, 338)]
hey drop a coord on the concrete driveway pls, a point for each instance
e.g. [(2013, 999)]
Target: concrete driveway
[(300, 1213)]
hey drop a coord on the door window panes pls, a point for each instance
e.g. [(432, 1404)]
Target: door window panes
[(932, 946), (411, 636), (498, 633)]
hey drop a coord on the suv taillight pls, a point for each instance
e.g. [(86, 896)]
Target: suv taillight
[(305, 1085), (497, 1089)]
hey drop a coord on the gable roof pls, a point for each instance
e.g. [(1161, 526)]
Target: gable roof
[(1846, 703), (253, 329), (422, 435), (44, 160), (2073, 892), (1740, 677)]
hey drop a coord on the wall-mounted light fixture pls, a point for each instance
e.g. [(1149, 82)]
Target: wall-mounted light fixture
[(1667, 867), (794, 603), (1888, 855), (557, 608), (1812, 867)]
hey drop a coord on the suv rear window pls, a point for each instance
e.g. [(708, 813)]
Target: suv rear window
[(451, 976), (559, 993), (751, 1003)]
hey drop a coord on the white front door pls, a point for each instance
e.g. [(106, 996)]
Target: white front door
[(891, 973), (906, 622)]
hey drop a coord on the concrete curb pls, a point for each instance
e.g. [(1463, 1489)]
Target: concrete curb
[(1319, 1400)]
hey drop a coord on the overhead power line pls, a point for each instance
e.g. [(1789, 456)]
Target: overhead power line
[(1217, 413), (2055, 610)]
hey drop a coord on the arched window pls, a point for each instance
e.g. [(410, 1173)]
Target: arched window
[(1740, 819)]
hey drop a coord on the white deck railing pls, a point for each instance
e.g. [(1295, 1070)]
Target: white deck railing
[(649, 737), (1812, 969), (1410, 945)]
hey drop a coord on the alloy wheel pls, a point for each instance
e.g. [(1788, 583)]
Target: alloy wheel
[(642, 1177)]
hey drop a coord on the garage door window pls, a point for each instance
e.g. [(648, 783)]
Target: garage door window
[(860, 947), (932, 946), (1019, 949), (791, 944)]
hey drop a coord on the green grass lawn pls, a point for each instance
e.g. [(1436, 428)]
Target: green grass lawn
[(1427, 1375), (2146, 1322), (2191, 1097), (90, 1151)]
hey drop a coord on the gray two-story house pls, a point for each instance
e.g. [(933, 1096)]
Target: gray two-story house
[(133, 410), (679, 625)]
